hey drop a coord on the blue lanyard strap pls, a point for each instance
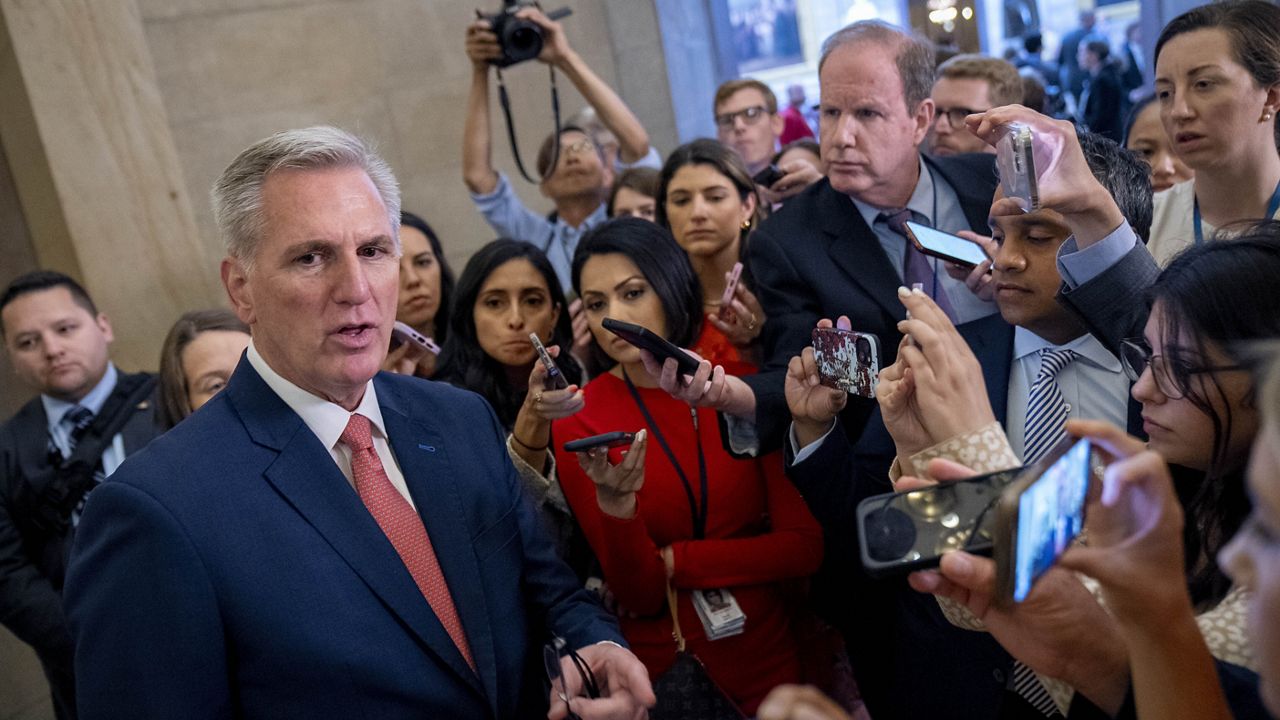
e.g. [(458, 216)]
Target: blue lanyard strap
[(1272, 208)]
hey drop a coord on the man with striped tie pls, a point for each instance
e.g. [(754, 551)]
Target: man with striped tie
[(86, 419)]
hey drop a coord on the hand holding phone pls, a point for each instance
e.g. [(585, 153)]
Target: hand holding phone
[(617, 438), (725, 313), (555, 379), (945, 246), (402, 333), (847, 360), (768, 176), (646, 339)]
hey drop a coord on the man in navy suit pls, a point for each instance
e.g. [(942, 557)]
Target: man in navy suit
[(321, 539)]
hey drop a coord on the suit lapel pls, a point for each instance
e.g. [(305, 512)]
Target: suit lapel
[(854, 249), (306, 476), (433, 478), (991, 340), (975, 197)]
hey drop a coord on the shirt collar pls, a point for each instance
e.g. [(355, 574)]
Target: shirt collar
[(921, 201), (597, 217), (54, 408), (326, 419), (1086, 346)]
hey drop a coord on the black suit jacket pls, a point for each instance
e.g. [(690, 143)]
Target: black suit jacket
[(1103, 105), (818, 258), (32, 559)]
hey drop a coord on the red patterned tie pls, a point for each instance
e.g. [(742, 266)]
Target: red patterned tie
[(403, 528)]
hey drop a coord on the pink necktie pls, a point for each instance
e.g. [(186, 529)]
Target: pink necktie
[(403, 528)]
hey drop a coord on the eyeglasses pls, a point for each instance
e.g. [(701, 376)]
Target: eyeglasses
[(750, 116), (955, 116), (578, 148), (552, 655), (1172, 377)]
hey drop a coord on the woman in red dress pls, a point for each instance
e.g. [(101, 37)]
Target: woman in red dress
[(680, 509), (708, 201)]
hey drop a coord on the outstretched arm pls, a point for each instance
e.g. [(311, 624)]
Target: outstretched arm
[(477, 161)]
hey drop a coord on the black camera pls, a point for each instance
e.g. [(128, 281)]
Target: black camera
[(519, 39)]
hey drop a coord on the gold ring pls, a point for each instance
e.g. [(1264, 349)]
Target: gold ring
[(752, 325), (537, 398)]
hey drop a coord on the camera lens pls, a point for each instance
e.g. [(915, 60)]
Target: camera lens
[(890, 534)]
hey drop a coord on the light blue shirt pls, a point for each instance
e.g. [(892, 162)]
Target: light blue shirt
[(1093, 384), (60, 432), (1078, 267), (928, 195), (511, 218)]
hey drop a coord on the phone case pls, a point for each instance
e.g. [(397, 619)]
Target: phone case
[(902, 532), (1016, 161), (646, 339), (847, 360), (555, 379), (726, 301), (403, 333), (614, 439)]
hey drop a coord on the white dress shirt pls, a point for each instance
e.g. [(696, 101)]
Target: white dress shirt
[(328, 420)]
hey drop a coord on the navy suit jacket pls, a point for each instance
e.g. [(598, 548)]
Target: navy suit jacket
[(230, 570), (816, 258)]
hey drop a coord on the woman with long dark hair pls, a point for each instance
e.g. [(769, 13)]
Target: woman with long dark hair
[(1144, 135), (679, 509), (709, 202), (426, 284)]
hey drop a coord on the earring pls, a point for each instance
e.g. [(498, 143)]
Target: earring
[(1266, 115), (746, 224)]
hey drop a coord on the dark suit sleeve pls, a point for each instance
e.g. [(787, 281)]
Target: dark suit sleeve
[(1113, 305), (791, 306), (137, 589), (550, 587), (29, 605), (1239, 684)]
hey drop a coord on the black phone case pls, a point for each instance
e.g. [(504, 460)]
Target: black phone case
[(609, 439), (646, 339), (902, 532), (768, 176)]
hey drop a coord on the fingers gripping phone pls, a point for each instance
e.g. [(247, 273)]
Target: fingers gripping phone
[(402, 333), (731, 287), (614, 439), (646, 339), (945, 246), (847, 360), (1039, 516), (1016, 163), (555, 379), (768, 176)]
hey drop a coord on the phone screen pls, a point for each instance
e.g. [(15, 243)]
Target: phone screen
[(947, 244), (1050, 516)]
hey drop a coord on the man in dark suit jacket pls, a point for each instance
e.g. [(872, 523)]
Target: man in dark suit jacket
[(58, 343), (1103, 101), (322, 540)]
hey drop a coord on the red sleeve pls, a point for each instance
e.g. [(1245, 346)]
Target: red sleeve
[(791, 549), (633, 569)]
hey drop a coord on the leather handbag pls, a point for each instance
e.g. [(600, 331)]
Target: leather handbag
[(686, 689)]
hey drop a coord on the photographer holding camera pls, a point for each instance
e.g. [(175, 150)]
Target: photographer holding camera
[(580, 178)]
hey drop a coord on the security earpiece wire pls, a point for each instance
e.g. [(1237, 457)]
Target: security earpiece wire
[(505, 101)]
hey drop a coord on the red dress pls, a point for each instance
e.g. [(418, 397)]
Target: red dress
[(713, 346), (759, 534)]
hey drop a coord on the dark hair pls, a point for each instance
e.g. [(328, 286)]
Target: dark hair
[(803, 143), (547, 148), (1253, 26), (446, 273), (1132, 118), (1099, 46), (732, 87), (171, 390), (1125, 175), (465, 364), (705, 151), (39, 280), (1222, 293), (664, 264), (1034, 95), (643, 180), (1033, 43)]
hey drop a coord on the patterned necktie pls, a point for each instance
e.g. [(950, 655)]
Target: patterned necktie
[(1046, 410), (403, 527), (1046, 417), (917, 268), (79, 418)]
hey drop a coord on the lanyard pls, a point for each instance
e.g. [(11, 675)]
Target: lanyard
[(698, 513), (1272, 207)]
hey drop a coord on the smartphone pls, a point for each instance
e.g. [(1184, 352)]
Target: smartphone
[(1039, 515), (903, 532), (726, 300), (401, 333), (944, 245), (555, 379), (1016, 165), (646, 339), (618, 438), (768, 176), (847, 360)]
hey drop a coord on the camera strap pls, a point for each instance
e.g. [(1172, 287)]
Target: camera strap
[(698, 512), (505, 101)]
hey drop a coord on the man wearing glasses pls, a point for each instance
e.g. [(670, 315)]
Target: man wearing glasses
[(969, 84), (747, 120)]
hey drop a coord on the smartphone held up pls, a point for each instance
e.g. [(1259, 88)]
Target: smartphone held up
[(847, 360)]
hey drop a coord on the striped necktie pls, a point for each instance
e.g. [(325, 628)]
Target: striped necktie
[(79, 418), (1046, 418)]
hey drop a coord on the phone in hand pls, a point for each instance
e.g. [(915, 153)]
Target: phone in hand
[(902, 532), (847, 360), (768, 176), (618, 438), (646, 339), (555, 379), (945, 246), (1039, 515), (1016, 165), (402, 333), (725, 313)]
